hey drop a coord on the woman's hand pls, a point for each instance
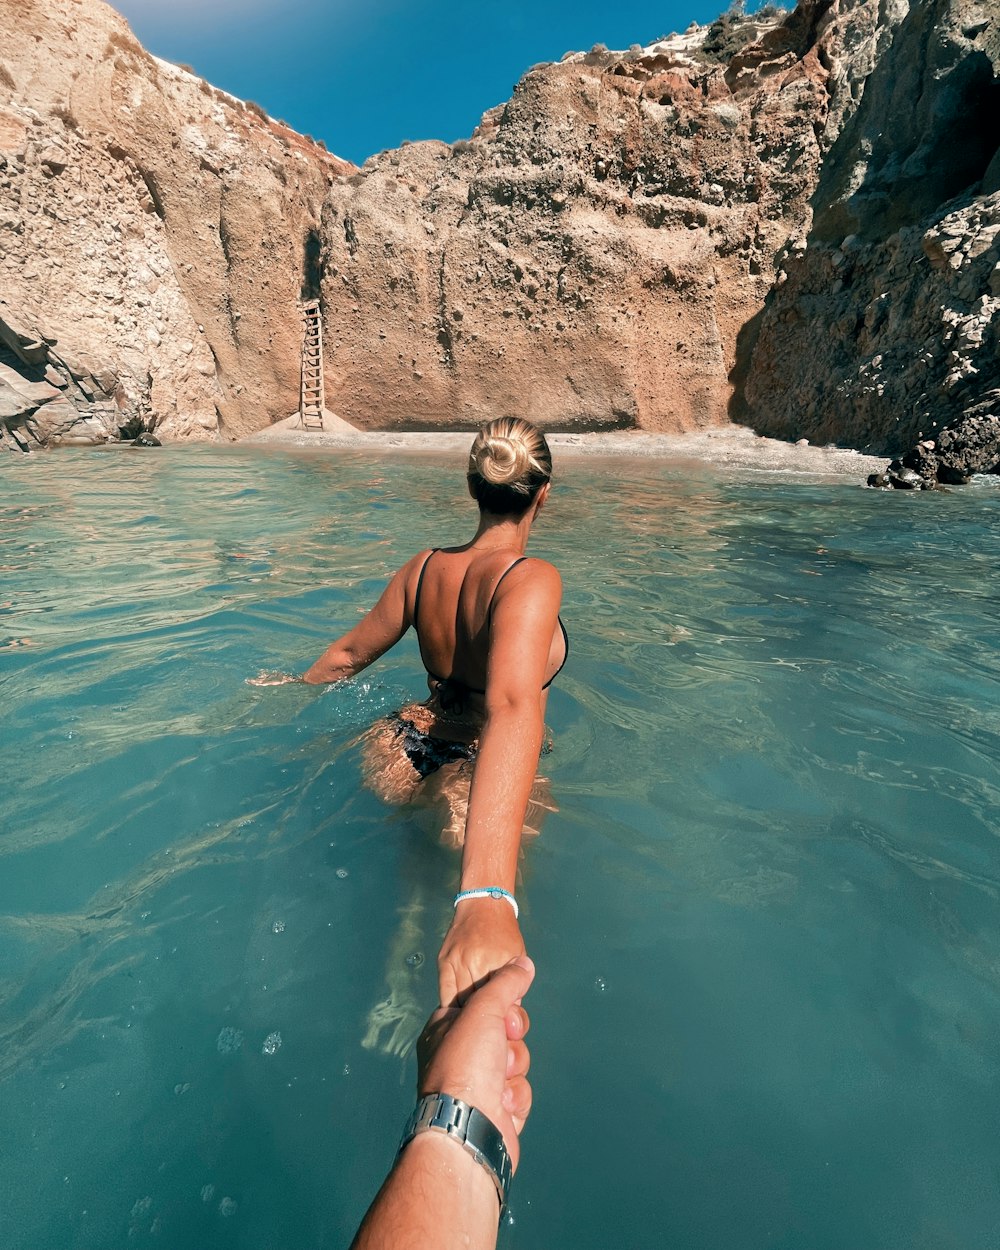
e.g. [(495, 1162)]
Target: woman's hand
[(265, 678), (483, 937)]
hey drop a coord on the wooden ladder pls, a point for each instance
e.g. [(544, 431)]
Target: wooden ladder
[(311, 396)]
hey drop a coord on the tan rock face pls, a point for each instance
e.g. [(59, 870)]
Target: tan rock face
[(588, 257), (886, 329), (597, 255), (151, 222)]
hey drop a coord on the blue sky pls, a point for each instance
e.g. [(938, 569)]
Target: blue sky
[(365, 77)]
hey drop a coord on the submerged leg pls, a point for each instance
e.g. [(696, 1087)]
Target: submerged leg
[(446, 797), (399, 1015)]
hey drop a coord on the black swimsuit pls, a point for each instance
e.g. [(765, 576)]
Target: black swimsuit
[(426, 753), (452, 685)]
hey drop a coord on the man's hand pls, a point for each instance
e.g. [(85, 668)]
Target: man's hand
[(437, 1197), (483, 937), (477, 1052)]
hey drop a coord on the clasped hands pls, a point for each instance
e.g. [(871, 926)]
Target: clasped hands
[(483, 937), (477, 1052)]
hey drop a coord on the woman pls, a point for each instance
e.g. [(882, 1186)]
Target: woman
[(487, 622)]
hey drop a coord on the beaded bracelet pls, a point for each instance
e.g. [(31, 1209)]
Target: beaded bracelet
[(489, 891)]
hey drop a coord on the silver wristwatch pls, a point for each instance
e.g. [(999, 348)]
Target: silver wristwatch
[(470, 1128)]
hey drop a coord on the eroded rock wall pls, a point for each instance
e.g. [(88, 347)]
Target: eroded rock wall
[(588, 258), (883, 329), (597, 255), (151, 225), (47, 398)]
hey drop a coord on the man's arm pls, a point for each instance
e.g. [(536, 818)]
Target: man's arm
[(437, 1196)]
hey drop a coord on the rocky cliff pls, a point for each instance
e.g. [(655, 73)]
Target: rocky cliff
[(587, 259), (155, 236), (882, 329), (597, 255)]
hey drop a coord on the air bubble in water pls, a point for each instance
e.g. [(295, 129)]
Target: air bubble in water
[(272, 1043), (278, 926), (414, 960), (600, 984), (229, 1040), (342, 873), (346, 1070)]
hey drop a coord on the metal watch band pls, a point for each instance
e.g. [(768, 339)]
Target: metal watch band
[(470, 1128)]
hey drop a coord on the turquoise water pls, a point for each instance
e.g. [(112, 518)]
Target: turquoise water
[(765, 915)]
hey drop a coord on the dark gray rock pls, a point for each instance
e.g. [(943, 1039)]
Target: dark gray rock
[(906, 479), (884, 330), (971, 445)]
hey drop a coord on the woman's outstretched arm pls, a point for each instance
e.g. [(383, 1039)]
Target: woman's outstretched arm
[(380, 629), (485, 934)]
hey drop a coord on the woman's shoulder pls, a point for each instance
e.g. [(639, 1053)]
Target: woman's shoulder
[(406, 578), (529, 576), (537, 569), (417, 562)]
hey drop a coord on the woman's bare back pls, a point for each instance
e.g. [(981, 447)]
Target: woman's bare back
[(454, 594)]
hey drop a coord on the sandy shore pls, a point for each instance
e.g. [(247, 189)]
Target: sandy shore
[(732, 446)]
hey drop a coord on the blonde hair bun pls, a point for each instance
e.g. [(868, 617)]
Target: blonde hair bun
[(502, 461), (509, 462)]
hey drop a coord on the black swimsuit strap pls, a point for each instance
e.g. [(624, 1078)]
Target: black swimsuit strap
[(489, 617), (420, 586), (519, 560), (416, 607)]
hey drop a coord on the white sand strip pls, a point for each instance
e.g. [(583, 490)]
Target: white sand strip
[(733, 446)]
